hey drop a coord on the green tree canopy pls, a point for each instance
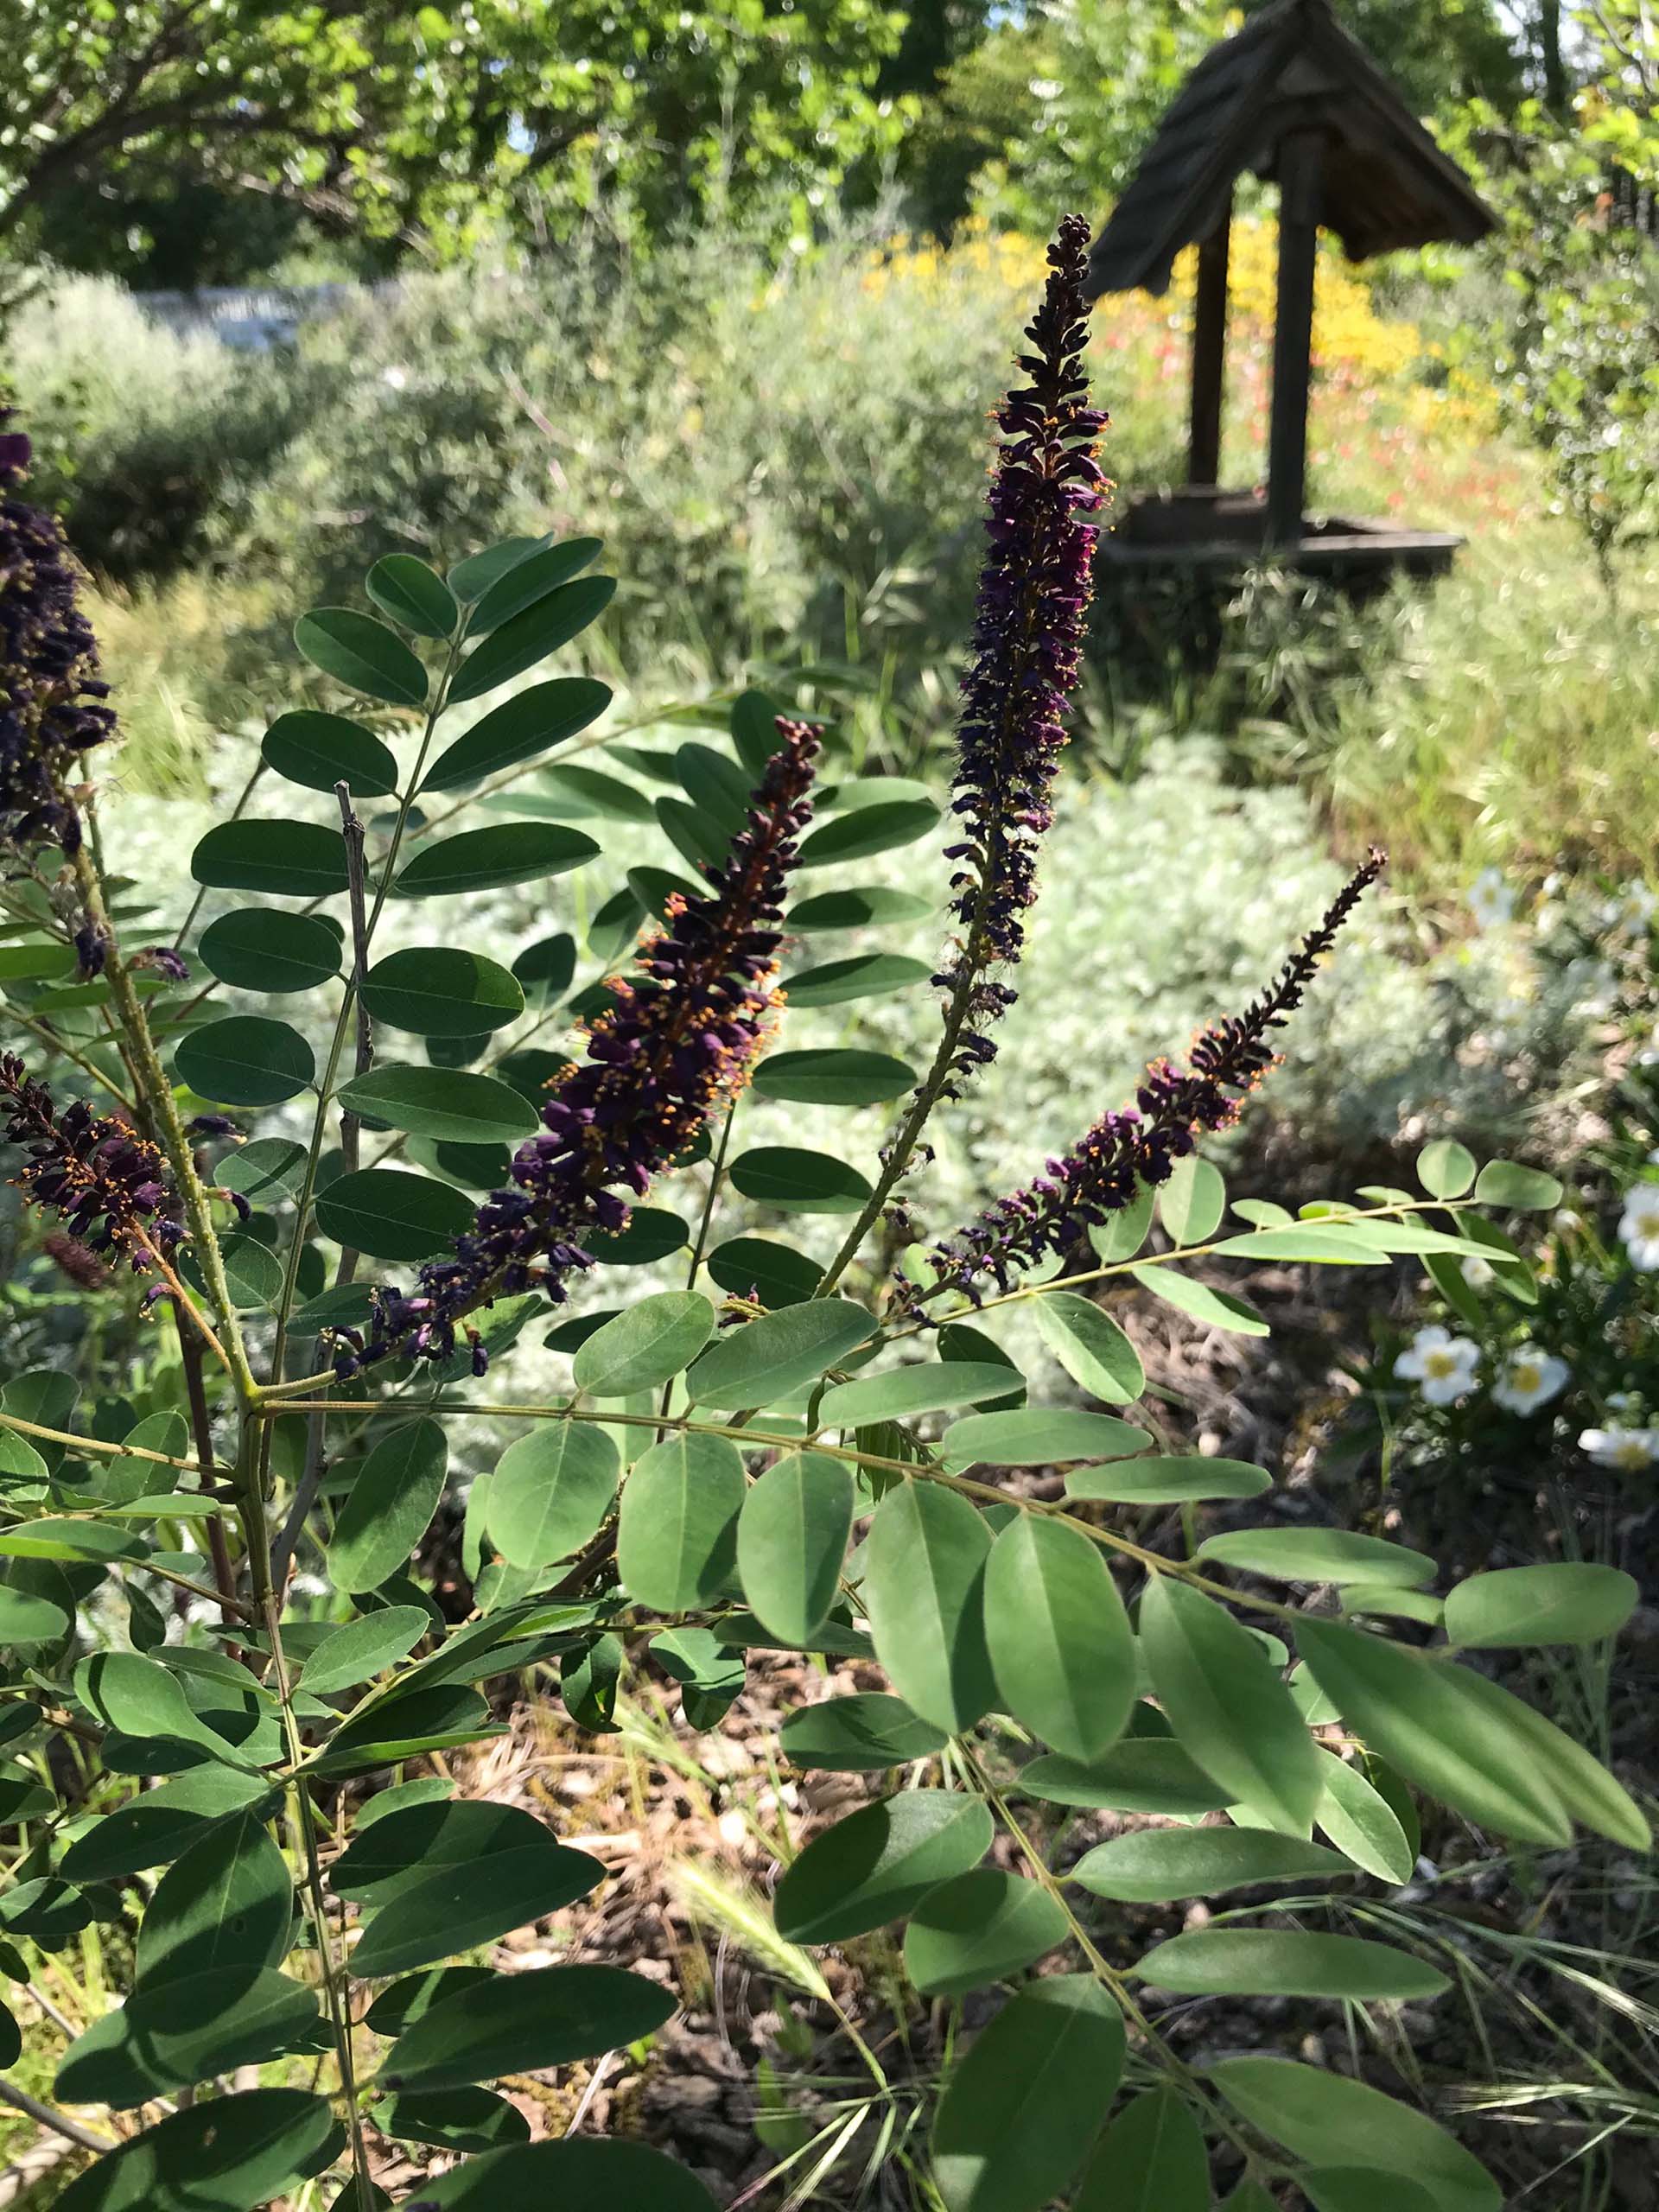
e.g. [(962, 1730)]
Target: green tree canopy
[(430, 122)]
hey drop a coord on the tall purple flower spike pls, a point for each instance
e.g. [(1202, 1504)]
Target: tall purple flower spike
[(1140, 1145), (51, 694), (680, 1036), (111, 1186), (1033, 593)]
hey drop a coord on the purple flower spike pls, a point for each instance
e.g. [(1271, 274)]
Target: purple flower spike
[(111, 1186), (1140, 1145), (679, 1038), (51, 694), (1033, 593)]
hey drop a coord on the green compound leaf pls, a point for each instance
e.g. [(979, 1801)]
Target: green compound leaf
[(879, 1863), (161, 1824), (1445, 1168), (318, 751), (930, 1385), (1287, 1962), (982, 1927), (1465, 1739), (263, 949), (1150, 1774), (516, 2023), (861, 1734), (865, 975), (1328, 2120), (362, 654), (1152, 2158), (645, 1346), (267, 1169), (520, 583), (529, 722), (924, 1589), (363, 1649), (1190, 1204), (1566, 1603), (1214, 1309), (855, 910), (792, 1539), (760, 1267), (1503, 1183), (536, 631), (1165, 1865), (246, 1060), (1037, 1436), (409, 594), (389, 1507), (550, 1492), (184, 2030), (442, 991), (796, 1181), (227, 1902), (1318, 1555), (677, 1532), (456, 1908), (226, 2154), (833, 1078), (392, 1214), (579, 2176), (1059, 1639), (455, 2120), (1090, 1347), (451, 1105), (284, 859), (484, 860), (1172, 1481), (1228, 1705), (777, 1353), (1018, 2114), (869, 830)]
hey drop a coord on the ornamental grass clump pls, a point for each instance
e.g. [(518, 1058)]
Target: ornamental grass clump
[(242, 1659)]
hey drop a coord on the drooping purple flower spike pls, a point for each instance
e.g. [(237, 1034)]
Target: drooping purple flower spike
[(1033, 593), (680, 1036), (111, 1186), (1140, 1145), (51, 694)]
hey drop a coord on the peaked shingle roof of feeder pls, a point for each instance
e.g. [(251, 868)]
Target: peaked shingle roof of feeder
[(1385, 183)]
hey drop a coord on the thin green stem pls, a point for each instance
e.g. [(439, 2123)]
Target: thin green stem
[(301, 1814)]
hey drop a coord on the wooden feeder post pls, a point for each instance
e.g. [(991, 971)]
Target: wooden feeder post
[(1299, 163), (1291, 97), (1208, 352)]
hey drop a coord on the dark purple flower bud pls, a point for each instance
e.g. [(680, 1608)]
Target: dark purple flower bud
[(1033, 593), (1140, 1145), (110, 1185), (213, 1125), (51, 696), (92, 948), (161, 960), (678, 1038)]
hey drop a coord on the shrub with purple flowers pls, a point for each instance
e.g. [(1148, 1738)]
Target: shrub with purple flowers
[(250, 1626)]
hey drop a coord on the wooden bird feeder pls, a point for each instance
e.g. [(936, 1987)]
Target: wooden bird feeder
[(1296, 99)]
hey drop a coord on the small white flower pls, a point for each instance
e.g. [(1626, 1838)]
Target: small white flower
[(1638, 1227), (395, 377), (1444, 1364), (1648, 1056), (1631, 913), (1477, 1273), (1529, 1378), (1621, 1447), (1491, 901)]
